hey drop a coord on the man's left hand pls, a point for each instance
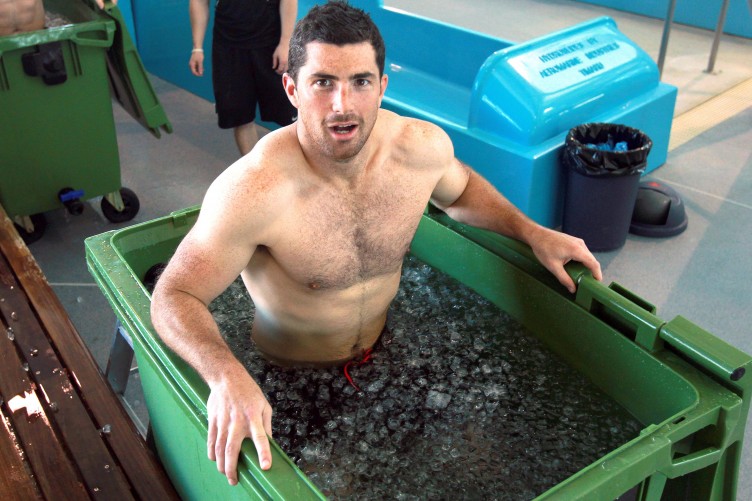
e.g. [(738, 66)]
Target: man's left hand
[(555, 249)]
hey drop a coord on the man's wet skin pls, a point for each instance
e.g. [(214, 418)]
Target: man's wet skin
[(322, 293), (316, 350), (18, 16)]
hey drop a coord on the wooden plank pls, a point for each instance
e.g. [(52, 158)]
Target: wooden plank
[(16, 481), (143, 470), (56, 477), (99, 470)]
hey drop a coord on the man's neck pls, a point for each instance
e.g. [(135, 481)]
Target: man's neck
[(349, 170)]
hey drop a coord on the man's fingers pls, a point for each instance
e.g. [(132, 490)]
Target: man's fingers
[(196, 64), (261, 441), (219, 447), (561, 274), (279, 62), (584, 256), (211, 438), (231, 452), (594, 266), (267, 417)]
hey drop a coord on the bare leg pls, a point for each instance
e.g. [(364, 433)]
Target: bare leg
[(246, 137)]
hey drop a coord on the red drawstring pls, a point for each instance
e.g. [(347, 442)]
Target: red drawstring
[(365, 358)]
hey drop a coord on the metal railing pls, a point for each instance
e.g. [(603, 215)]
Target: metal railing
[(716, 39)]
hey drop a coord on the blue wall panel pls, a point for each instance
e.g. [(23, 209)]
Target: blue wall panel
[(698, 13), (164, 42)]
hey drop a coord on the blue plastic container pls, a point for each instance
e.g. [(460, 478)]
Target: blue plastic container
[(506, 106)]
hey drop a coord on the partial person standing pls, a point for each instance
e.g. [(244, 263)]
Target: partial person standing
[(250, 41)]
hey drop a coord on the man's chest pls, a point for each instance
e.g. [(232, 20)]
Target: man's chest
[(336, 242)]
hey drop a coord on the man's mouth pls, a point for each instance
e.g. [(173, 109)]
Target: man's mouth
[(343, 129)]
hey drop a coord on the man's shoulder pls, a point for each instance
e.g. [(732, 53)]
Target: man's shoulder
[(264, 171), (412, 129), (275, 153), (414, 137)]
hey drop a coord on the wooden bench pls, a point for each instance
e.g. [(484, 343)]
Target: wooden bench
[(65, 434)]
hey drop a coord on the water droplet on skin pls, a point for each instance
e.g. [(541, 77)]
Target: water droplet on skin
[(54, 407), (25, 366), (11, 334), (14, 315), (106, 429), (34, 352)]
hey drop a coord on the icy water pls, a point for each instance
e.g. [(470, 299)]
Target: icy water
[(458, 402), (55, 20)]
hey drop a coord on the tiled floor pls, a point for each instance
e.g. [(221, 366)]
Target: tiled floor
[(704, 274)]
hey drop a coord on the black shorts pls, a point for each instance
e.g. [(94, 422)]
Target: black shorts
[(242, 78)]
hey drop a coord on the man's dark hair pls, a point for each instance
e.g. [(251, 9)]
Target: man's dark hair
[(335, 23)]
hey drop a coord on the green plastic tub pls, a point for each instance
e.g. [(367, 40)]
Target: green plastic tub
[(57, 132), (688, 388)]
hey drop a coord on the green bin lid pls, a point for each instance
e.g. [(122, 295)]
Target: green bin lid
[(130, 82)]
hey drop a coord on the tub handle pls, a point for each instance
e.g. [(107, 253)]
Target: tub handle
[(635, 318), (692, 462), (618, 307), (706, 350)]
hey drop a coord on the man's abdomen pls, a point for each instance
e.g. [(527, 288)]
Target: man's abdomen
[(320, 327)]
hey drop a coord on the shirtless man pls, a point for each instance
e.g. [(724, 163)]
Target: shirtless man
[(17, 16), (317, 220)]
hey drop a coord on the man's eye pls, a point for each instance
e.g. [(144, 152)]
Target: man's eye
[(323, 83), (362, 82)]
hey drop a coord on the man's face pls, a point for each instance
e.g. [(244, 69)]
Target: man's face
[(338, 93)]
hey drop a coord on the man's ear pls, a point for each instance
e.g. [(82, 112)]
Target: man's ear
[(384, 82), (290, 89)]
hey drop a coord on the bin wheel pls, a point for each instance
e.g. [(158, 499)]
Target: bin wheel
[(130, 209), (40, 224), (152, 275)]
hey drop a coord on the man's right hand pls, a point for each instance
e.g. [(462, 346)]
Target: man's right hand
[(197, 63), (237, 409)]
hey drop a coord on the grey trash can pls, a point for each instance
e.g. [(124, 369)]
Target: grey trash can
[(603, 162)]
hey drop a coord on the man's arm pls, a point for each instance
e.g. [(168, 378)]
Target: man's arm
[(288, 11), (208, 259), (198, 11), (469, 198)]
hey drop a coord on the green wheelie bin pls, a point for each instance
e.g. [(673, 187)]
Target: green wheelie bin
[(58, 144), (689, 390)]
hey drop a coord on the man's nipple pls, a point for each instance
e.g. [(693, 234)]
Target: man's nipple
[(314, 285)]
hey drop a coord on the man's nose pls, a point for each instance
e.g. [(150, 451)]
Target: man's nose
[(341, 101)]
